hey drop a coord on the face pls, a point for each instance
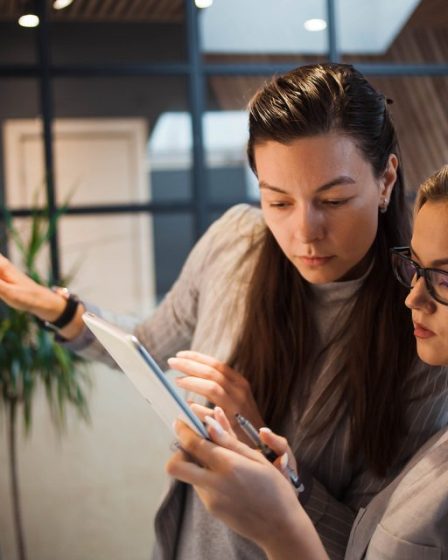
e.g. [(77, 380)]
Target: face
[(430, 249), (320, 200)]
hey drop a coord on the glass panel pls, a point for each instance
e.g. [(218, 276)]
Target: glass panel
[(121, 32), (407, 31), (263, 31), (229, 178), (173, 240), (420, 114), (118, 140), (125, 262), (18, 101), (17, 44)]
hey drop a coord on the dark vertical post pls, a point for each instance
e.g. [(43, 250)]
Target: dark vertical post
[(196, 96), (46, 103), (333, 53)]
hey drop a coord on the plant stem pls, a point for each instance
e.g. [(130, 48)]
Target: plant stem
[(17, 515)]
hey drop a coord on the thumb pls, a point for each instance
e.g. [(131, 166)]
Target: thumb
[(229, 441), (277, 443)]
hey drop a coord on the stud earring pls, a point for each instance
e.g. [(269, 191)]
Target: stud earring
[(384, 204)]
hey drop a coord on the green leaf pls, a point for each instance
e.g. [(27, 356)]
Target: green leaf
[(30, 355)]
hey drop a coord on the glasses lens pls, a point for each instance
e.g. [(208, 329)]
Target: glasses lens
[(439, 284), (404, 270)]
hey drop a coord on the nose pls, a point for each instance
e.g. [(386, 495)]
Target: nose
[(420, 298), (309, 224)]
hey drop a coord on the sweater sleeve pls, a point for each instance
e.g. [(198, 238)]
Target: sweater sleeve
[(172, 325)]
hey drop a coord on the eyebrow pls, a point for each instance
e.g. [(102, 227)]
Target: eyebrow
[(437, 262), (341, 180)]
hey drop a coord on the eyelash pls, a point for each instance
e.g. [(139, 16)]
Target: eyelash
[(330, 203), (335, 203), (279, 205)]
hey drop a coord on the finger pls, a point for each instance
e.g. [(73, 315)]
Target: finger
[(201, 411), (208, 361), (277, 443), (179, 467), (196, 369), (208, 453), (221, 417), (211, 390)]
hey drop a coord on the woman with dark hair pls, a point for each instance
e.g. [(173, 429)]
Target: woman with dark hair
[(409, 518), (299, 309)]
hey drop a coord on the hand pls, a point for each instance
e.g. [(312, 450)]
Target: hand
[(21, 292), (277, 443), (219, 384), (280, 445), (242, 489), (204, 412)]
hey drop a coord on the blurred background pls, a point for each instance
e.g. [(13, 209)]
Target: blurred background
[(133, 112)]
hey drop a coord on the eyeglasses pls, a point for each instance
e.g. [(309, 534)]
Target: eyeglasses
[(408, 272)]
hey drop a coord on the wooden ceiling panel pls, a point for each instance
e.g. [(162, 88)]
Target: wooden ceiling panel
[(168, 11)]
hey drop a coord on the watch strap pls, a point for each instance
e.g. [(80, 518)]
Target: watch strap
[(69, 311)]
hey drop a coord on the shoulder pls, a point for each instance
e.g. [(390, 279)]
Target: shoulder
[(241, 219), (417, 511), (236, 231), (408, 518)]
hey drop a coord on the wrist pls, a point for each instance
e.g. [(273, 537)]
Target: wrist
[(61, 312), (50, 304)]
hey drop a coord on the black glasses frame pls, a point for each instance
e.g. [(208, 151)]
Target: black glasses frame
[(404, 254)]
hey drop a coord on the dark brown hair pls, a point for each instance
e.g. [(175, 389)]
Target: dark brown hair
[(375, 345)]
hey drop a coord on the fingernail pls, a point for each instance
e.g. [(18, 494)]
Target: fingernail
[(214, 424), (284, 460), (266, 430)]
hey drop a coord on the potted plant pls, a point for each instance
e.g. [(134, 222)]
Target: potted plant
[(30, 356)]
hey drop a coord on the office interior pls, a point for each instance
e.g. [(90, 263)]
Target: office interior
[(132, 115)]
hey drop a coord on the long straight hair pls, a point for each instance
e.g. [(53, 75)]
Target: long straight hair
[(375, 346)]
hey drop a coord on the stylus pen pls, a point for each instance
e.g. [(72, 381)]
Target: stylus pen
[(270, 455)]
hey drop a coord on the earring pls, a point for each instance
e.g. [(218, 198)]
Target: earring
[(384, 204)]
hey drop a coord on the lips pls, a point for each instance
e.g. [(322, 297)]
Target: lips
[(422, 332), (314, 261)]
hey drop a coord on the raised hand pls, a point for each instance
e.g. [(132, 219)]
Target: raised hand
[(219, 384), (21, 292)]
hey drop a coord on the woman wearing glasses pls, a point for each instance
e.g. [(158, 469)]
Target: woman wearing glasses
[(409, 519), (292, 314)]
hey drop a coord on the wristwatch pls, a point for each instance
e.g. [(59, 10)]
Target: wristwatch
[(69, 311)]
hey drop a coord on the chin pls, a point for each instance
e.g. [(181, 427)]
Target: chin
[(432, 356), (318, 276)]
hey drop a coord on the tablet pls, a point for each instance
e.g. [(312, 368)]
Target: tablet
[(143, 371)]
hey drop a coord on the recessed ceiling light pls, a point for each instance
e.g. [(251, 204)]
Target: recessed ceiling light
[(315, 24), (61, 4), (29, 20), (203, 3)]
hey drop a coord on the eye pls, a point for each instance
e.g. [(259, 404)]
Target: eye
[(335, 202), (442, 281), (279, 205)]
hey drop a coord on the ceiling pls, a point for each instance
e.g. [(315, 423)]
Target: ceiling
[(106, 11)]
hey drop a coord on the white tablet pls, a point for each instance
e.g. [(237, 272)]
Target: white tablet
[(143, 371)]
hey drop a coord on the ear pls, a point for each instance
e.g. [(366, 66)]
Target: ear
[(389, 178)]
